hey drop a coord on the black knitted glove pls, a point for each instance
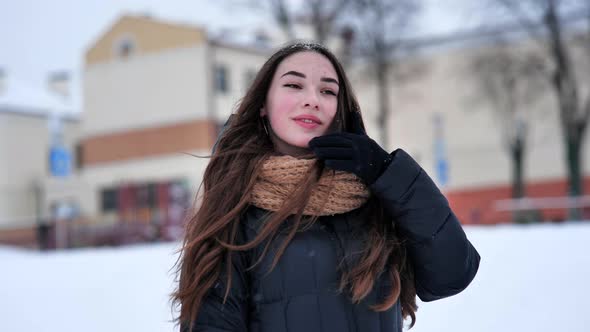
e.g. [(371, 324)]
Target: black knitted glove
[(352, 152)]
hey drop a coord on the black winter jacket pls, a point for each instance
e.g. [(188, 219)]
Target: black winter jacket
[(301, 293)]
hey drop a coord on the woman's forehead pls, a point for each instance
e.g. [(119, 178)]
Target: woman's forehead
[(306, 61)]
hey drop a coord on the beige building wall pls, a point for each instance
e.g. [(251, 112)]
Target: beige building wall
[(165, 86), (161, 93), (474, 140), (242, 64), (155, 96), (164, 90), (161, 168), (142, 35), (24, 165), (146, 91)]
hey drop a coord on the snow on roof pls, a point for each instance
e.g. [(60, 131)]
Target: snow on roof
[(30, 97)]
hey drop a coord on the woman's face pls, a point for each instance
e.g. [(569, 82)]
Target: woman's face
[(301, 102)]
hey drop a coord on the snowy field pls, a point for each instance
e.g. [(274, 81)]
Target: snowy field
[(531, 278)]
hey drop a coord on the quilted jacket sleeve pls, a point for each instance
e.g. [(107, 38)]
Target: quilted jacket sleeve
[(444, 260)]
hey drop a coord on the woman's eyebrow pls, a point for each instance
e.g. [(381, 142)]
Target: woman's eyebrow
[(298, 74), (294, 73), (329, 80)]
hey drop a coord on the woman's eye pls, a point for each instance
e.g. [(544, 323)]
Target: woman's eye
[(294, 86), (329, 92)]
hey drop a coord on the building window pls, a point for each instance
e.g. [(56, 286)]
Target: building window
[(125, 47), (109, 199), (221, 76)]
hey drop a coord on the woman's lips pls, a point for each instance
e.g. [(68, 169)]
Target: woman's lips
[(305, 123)]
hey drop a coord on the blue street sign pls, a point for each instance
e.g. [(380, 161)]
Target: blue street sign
[(442, 172), (60, 161)]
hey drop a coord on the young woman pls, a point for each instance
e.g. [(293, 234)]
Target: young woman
[(307, 224)]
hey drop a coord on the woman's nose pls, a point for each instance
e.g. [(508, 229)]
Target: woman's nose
[(312, 100)]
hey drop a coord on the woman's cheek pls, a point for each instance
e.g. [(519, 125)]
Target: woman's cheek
[(279, 123)]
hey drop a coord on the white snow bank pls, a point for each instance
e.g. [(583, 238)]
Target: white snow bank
[(531, 278)]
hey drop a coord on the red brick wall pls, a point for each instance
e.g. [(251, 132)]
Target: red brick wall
[(476, 205)]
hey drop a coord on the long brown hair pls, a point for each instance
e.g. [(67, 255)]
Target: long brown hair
[(210, 237)]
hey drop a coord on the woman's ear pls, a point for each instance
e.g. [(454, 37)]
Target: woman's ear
[(262, 112)]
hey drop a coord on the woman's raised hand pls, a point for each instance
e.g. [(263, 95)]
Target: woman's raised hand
[(353, 152)]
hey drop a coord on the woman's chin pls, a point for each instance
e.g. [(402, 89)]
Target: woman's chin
[(293, 145), (302, 144)]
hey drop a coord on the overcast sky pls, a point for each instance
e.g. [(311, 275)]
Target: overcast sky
[(39, 36)]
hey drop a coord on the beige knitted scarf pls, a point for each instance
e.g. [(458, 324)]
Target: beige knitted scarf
[(336, 191)]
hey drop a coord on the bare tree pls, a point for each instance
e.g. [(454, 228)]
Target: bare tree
[(546, 22), (380, 26), (283, 17), (371, 29), (510, 81), (322, 16)]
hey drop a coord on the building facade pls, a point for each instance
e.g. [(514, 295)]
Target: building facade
[(443, 118), (155, 96), (156, 93)]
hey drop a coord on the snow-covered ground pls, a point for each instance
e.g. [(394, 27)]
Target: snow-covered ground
[(531, 278)]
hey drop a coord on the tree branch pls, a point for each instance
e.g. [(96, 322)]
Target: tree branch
[(282, 17), (323, 17), (531, 27)]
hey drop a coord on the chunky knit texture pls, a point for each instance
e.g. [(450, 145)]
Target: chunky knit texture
[(336, 191)]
